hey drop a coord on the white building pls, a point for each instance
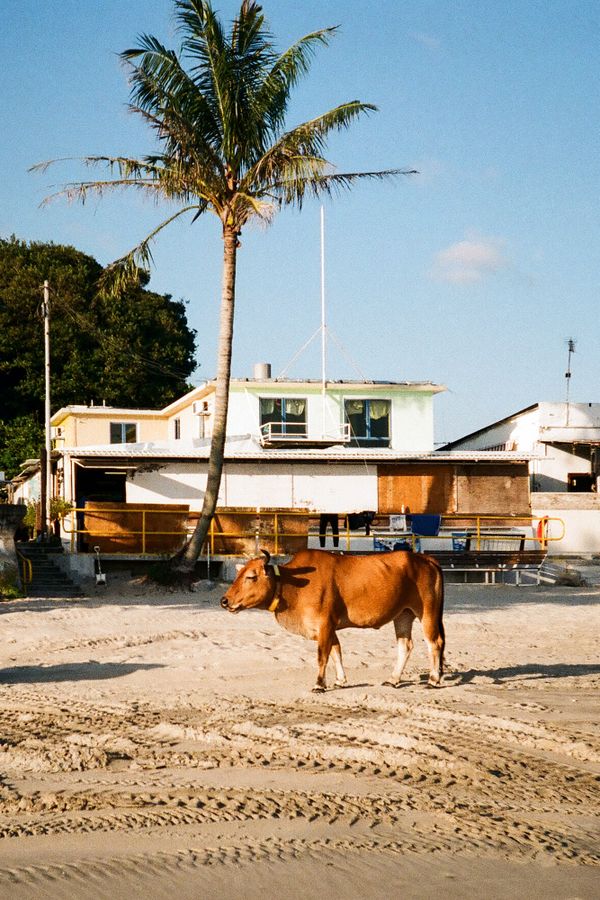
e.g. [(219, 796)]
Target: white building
[(563, 440), (342, 447), (283, 437)]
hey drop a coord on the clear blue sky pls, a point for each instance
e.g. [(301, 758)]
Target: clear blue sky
[(472, 274)]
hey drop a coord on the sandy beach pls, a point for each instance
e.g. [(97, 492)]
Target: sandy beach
[(153, 745)]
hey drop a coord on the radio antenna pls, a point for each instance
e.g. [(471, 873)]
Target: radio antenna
[(571, 350)]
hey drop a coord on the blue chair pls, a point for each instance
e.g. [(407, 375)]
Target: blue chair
[(423, 525)]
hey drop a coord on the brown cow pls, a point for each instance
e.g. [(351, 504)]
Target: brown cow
[(317, 593)]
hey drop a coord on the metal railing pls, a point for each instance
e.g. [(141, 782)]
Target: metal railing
[(69, 524), (297, 431), (26, 569), (256, 528)]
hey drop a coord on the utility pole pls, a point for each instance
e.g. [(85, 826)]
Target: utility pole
[(47, 469)]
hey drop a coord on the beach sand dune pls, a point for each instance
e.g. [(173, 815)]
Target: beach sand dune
[(153, 745)]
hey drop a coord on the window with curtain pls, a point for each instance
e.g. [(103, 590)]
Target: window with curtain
[(123, 432), (286, 415), (369, 422)]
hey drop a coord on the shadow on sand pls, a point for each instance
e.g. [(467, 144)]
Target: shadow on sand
[(84, 671), (529, 672), (200, 602)]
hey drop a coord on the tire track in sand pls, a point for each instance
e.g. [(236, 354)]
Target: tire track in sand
[(451, 782)]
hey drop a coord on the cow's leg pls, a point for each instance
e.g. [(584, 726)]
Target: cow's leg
[(403, 628), (433, 631), (336, 652), (326, 639)]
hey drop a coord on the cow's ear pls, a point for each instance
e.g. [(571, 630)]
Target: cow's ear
[(239, 567)]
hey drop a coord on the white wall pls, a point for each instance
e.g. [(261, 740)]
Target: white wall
[(168, 483), (192, 426), (575, 415), (551, 471), (581, 530), (580, 514), (29, 490), (519, 431), (411, 412), (347, 488), (412, 422)]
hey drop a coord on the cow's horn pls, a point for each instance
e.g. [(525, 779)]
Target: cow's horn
[(266, 555)]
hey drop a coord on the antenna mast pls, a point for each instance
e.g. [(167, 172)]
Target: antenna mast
[(571, 351), (323, 321)]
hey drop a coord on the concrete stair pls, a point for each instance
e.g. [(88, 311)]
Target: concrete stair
[(48, 580)]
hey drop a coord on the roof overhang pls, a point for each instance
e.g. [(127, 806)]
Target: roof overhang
[(246, 449), (568, 435), (107, 412), (274, 384)]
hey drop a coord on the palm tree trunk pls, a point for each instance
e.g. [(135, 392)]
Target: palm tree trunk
[(188, 559)]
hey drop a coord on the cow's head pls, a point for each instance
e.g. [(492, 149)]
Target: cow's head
[(254, 586)]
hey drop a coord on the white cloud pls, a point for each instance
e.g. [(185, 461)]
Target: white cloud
[(469, 261), (427, 40)]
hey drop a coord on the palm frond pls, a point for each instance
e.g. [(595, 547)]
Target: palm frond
[(45, 165), (80, 191), (248, 206), (127, 166), (192, 149), (205, 44), (273, 95), (295, 190), (162, 87), (125, 271), (307, 140)]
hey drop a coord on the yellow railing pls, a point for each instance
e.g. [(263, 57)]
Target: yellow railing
[(264, 528), (483, 531), (26, 569)]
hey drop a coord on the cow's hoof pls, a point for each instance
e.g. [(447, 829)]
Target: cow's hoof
[(433, 684), (340, 684), (390, 683), (319, 689)]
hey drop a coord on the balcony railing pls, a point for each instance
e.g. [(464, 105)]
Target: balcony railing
[(297, 433)]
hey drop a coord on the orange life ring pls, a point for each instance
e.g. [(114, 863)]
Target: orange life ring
[(542, 530)]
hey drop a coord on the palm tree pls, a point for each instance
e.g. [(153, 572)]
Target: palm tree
[(218, 109)]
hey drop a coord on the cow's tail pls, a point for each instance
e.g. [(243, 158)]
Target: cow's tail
[(441, 629)]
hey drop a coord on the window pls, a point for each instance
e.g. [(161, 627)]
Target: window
[(580, 482), (285, 415), (123, 432), (369, 422), (177, 429)]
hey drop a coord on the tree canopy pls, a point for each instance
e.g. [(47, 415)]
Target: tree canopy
[(133, 350)]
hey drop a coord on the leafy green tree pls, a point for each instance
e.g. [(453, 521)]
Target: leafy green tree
[(20, 439), (218, 110), (134, 349)]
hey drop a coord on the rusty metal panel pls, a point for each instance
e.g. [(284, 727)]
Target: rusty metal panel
[(493, 489), (418, 488), (498, 489), (134, 528)]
